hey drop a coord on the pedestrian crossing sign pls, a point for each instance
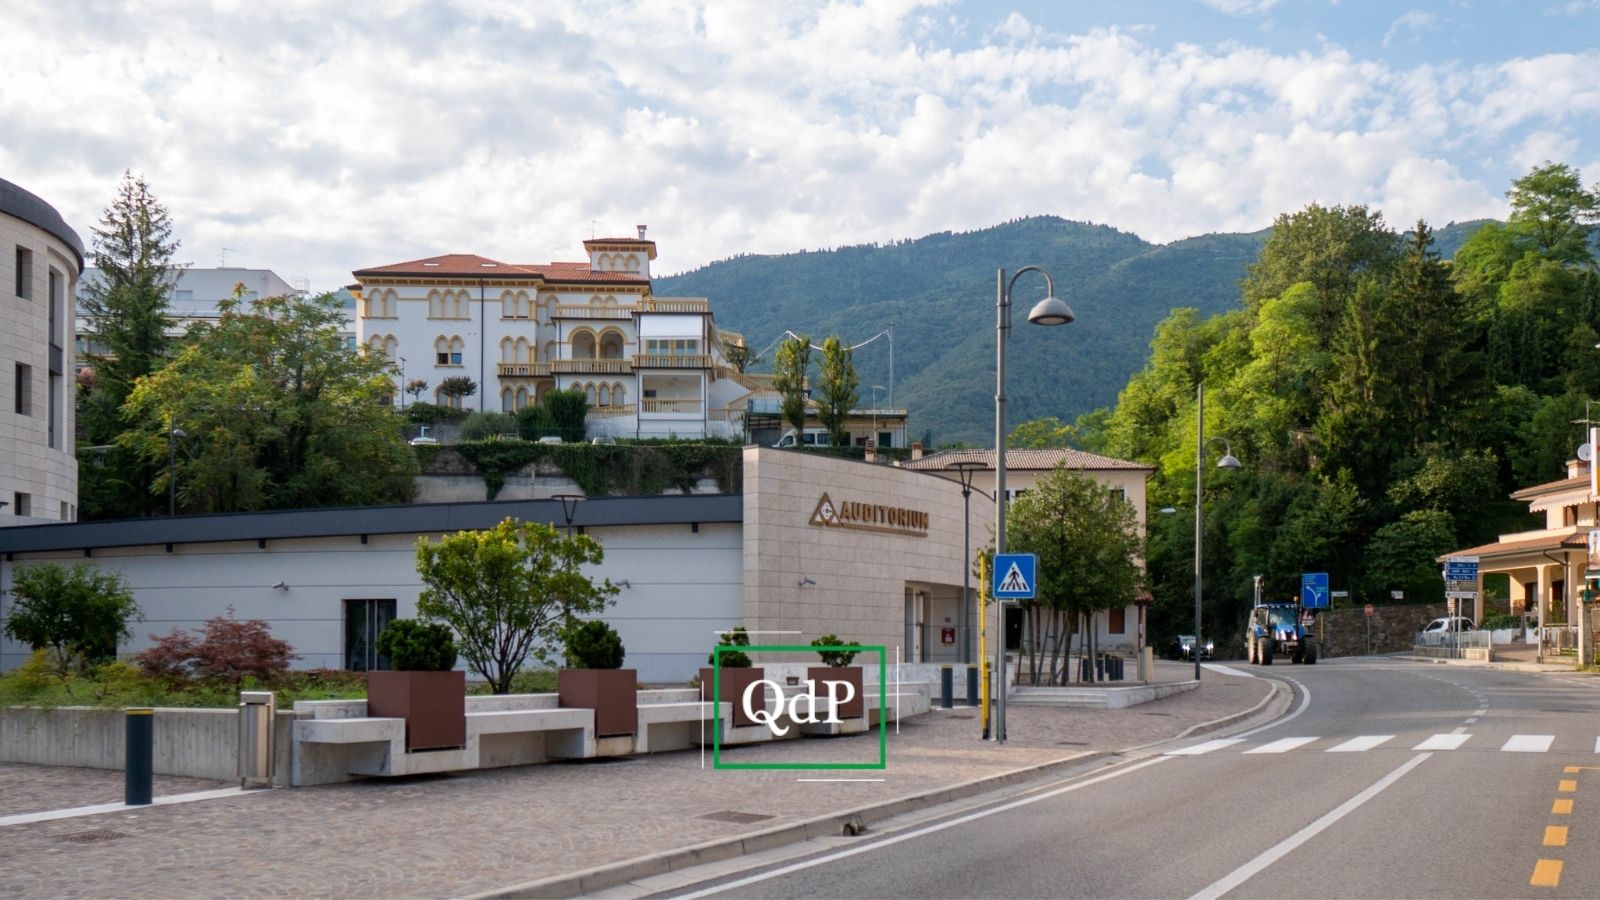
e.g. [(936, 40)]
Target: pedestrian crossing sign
[(1015, 576)]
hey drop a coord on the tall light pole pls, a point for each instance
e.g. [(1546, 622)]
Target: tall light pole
[(1049, 311), (569, 505), (1228, 461), (173, 433), (875, 389), (964, 471), (403, 384)]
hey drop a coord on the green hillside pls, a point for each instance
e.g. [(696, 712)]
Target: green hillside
[(938, 293)]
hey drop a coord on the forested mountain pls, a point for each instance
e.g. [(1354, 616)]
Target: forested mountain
[(938, 293)]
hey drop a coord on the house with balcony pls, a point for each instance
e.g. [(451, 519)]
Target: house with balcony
[(649, 366)]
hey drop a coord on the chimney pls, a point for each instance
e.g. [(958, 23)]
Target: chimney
[(641, 232), (1577, 468), (916, 449)]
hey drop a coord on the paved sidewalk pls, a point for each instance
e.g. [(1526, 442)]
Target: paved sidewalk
[(455, 835)]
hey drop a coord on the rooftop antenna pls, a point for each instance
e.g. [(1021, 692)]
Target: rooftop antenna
[(222, 261)]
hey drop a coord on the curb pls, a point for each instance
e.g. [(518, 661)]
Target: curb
[(599, 878)]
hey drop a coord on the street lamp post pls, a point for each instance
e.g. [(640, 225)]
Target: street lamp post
[(1049, 311), (964, 471), (403, 382), (569, 505), (1228, 461), (173, 433), (875, 389)]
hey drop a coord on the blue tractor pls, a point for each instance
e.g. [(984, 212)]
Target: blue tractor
[(1278, 629)]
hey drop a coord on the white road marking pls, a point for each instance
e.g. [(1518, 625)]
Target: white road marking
[(1529, 743), (1597, 745), (909, 835), (1361, 744), (1472, 721), (1282, 746), (1305, 701), (74, 812), (1443, 742), (1273, 854), (1206, 747), (1226, 670)]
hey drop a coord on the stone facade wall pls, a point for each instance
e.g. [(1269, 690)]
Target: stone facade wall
[(1394, 628)]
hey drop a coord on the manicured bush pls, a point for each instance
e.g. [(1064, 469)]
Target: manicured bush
[(568, 411), (732, 659), (414, 646), (431, 413), (835, 657), (593, 645)]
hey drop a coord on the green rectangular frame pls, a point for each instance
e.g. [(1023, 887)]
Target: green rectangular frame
[(883, 706)]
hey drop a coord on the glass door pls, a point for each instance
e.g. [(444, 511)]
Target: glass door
[(364, 620)]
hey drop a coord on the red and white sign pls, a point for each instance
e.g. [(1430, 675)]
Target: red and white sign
[(1369, 610)]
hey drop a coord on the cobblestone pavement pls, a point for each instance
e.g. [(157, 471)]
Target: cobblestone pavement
[(450, 835), (26, 789)]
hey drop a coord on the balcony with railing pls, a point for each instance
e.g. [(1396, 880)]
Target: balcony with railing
[(591, 367), (690, 406), (612, 412), (671, 361), (585, 311), (523, 370), (675, 305)]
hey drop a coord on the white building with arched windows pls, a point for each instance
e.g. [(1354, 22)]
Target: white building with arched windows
[(650, 366)]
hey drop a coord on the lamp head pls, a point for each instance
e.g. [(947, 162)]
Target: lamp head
[(1051, 311), (1167, 510), (1228, 461)]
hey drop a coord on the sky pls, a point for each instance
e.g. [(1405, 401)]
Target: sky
[(315, 138)]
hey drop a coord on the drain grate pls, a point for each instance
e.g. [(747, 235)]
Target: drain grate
[(737, 818), (98, 836)]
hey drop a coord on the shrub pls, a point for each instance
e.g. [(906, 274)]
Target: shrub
[(414, 646), (568, 412), (593, 645), (732, 659), (431, 413), (1500, 620), (533, 422), (79, 615), (835, 657), (227, 650), (481, 426)]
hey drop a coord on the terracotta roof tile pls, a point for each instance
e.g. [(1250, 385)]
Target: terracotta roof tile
[(1549, 487), (1027, 460), (473, 265), (1561, 540)]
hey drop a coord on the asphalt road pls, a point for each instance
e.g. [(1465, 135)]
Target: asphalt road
[(1386, 779)]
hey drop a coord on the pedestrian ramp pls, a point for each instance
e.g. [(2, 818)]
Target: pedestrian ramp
[(1517, 743)]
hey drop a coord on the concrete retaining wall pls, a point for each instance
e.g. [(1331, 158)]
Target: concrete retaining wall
[(195, 743)]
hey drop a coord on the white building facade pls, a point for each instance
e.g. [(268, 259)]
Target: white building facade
[(649, 366), (41, 261)]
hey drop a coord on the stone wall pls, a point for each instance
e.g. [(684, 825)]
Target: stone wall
[(1394, 628)]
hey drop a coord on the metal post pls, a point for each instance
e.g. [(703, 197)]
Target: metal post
[(139, 756), (972, 685), (947, 687), (966, 574), (1199, 481), (1002, 310), (172, 468)]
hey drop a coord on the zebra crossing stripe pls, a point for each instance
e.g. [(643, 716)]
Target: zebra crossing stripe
[(1529, 743), (1443, 742), (1283, 746), (1206, 747), (1360, 744)]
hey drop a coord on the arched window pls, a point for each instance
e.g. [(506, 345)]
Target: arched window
[(618, 398), (611, 344), (508, 350), (448, 352), (583, 345), (522, 398), (633, 262), (391, 346), (375, 344), (549, 350), (508, 305), (506, 399), (524, 350), (605, 395), (387, 304), (588, 393)]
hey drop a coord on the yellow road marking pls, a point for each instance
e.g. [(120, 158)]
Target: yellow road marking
[(1546, 873), (1561, 808), (1555, 835), (1567, 785), (1570, 769)]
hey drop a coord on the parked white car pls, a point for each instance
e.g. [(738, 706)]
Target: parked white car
[(1448, 623)]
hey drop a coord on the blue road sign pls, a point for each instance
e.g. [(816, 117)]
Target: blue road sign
[(1314, 590), (1016, 576), (1461, 568)]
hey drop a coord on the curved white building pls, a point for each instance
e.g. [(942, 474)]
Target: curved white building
[(40, 262)]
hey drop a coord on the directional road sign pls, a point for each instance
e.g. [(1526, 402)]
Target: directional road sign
[(1314, 590), (1461, 568), (1016, 576)]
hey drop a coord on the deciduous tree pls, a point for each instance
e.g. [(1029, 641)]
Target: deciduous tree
[(789, 371), (78, 615), (838, 387)]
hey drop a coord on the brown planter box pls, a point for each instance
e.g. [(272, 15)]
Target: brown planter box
[(734, 683), (613, 694), (434, 705), (856, 706)]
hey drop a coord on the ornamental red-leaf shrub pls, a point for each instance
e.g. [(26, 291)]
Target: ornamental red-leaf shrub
[(227, 650)]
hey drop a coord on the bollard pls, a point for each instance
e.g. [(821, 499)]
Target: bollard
[(139, 756), (972, 685), (1100, 667), (947, 677)]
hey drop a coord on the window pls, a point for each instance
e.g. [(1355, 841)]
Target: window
[(364, 620), (1119, 620), (672, 347), (183, 296), (448, 352), (22, 504), (24, 273), (24, 385), (66, 512), (53, 407), (57, 308), (507, 400)]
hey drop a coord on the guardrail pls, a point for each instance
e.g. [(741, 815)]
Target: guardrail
[(666, 361), (676, 407), (523, 370), (591, 366)]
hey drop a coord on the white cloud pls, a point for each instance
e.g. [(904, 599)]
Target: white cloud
[(1241, 7), (1412, 24), (315, 143)]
